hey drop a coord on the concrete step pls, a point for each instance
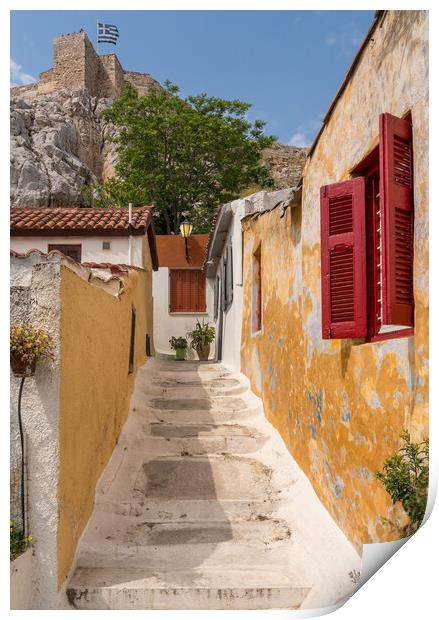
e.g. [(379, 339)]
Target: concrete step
[(183, 511), (195, 390), (198, 439), (195, 416), (129, 542), (224, 587), (224, 403)]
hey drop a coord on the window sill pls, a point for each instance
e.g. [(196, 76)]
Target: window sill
[(402, 333), (201, 313)]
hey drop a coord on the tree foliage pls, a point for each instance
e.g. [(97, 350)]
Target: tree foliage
[(182, 154)]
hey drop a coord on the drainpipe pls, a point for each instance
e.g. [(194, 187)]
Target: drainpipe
[(130, 238)]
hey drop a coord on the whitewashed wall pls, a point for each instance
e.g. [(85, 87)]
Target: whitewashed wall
[(92, 251), (232, 319), (175, 324)]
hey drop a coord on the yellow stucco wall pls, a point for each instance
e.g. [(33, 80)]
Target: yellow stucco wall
[(95, 390), (341, 405)]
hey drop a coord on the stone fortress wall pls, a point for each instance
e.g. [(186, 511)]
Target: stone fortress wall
[(77, 66)]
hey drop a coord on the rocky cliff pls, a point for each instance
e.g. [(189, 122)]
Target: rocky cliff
[(60, 144)]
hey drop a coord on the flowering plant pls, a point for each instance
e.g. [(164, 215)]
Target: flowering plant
[(28, 344)]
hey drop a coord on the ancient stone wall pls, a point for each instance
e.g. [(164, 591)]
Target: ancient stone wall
[(142, 82), (111, 82)]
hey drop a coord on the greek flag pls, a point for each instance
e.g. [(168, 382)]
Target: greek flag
[(107, 33)]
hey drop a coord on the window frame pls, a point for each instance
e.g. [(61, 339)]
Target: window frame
[(61, 247), (257, 306), (370, 169)]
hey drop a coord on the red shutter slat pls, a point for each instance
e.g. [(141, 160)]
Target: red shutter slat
[(343, 248), (396, 192)]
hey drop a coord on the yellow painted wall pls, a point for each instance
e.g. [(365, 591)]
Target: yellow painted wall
[(95, 390), (341, 405)]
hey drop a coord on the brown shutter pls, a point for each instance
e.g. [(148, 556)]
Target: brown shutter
[(343, 255), (187, 290), (396, 193)]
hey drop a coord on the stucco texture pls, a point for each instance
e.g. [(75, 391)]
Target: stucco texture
[(95, 390), (341, 405)]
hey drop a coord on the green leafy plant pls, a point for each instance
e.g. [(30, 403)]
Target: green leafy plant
[(18, 544), (405, 478), (28, 343), (178, 342), (182, 155), (202, 335)]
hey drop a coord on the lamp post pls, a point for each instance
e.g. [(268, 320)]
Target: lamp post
[(186, 231)]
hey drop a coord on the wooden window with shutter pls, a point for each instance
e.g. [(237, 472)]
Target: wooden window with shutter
[(187, 290), (369, 219)]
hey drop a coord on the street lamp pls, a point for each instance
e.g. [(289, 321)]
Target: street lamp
[(186, 231)]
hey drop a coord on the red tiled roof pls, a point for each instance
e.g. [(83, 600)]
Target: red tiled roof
[(171, 251), (29, 221)]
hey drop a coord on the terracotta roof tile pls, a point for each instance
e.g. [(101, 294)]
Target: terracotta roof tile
[(85, 220), (171, 251)]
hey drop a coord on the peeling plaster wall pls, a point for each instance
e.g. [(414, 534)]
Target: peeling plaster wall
[(341, 405), (95, 391), (74, 406), (35, 299)]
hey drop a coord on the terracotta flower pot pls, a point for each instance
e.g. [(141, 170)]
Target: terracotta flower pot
[(22, 368), (203, 351)]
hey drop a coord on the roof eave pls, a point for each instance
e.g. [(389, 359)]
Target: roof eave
[(217, 238)]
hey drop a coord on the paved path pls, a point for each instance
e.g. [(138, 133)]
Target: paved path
[(202, 507)]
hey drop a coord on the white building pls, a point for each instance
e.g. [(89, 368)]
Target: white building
[(180, 290), (88, 235), (223, 267)]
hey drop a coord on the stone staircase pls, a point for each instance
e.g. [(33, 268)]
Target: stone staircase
[(202, 507)]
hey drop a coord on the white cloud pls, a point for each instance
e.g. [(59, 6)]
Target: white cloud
[(18, 76), (299, 139), (346, 41)]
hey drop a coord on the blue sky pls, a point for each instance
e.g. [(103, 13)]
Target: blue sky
[(287, 64)]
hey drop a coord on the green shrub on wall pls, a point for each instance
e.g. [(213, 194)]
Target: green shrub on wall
[(405, 478)]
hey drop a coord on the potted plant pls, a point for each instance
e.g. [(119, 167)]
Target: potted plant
[(201, 338), (179, 345), (27, 345)]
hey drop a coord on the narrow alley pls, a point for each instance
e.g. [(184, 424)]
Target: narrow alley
[(202, 507)]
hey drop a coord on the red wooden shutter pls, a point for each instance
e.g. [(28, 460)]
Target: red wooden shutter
[(396, 192), (343, 247), (187, 290)]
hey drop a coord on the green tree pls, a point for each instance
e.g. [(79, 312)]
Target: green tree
[(182, 155)]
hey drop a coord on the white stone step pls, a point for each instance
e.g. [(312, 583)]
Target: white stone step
[(195, 416), (198, 439), (162, 510), (212, 588)]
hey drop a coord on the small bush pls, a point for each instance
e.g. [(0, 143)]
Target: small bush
[(202, 335), (178, 342), (18, 544), (405, 478)]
